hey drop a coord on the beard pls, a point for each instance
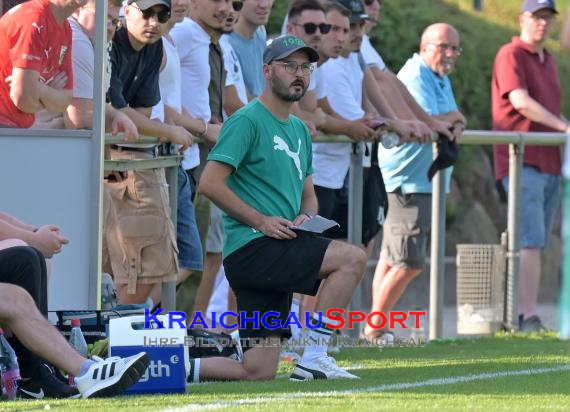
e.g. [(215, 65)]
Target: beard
[(279, 88)]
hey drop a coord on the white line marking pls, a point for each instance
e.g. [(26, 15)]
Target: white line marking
[(381, 388)]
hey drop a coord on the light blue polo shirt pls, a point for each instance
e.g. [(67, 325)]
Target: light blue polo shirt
[(250, 55), (406, 166)]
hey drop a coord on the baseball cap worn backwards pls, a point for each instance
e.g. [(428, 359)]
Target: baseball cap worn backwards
[(284, 46), (356, 9), (147, 4), (532, 6)]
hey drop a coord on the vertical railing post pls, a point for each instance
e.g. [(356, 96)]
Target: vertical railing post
[(355, 191), (437, 257), (565, 293), (97, 145), (516, 154), (169, 288)]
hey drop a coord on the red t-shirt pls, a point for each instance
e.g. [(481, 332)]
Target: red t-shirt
[(31, 38), (518, 66)]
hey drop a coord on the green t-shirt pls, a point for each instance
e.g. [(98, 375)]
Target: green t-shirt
[(271, 160)]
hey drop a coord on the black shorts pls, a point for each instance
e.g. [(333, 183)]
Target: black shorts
[(333, 204), (266, 272)]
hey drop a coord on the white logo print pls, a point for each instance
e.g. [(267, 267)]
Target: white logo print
[(281, 145), (38, 27)]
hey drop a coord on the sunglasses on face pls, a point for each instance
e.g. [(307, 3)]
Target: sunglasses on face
[(371, 2), (162, 16), (311, 28), (237, 5)]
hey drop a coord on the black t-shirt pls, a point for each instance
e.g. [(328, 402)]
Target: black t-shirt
[(134, 78)]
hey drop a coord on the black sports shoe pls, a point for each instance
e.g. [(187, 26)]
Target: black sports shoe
[(48, 386)]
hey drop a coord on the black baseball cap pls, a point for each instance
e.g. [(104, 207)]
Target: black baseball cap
[(532, 6), (147, 4), (286, 45), (356, 9)]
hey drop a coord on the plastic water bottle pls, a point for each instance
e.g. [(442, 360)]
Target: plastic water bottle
[(390, 140), (77, 342), (9, 368)]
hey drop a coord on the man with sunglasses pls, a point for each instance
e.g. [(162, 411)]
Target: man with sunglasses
[(405, 168), (136, 58), (307, 20), (526, 96)]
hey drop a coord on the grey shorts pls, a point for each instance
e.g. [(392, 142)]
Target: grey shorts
[(215, 237), (406, 230)]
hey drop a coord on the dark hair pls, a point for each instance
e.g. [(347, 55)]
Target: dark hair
[(333, 5), (299, 6)]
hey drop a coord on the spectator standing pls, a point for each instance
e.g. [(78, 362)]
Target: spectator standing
[(142, 253), (404, 168), (35, 68), (526, 96), (248, 40)]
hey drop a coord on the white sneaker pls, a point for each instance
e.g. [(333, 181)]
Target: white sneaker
[(112, 376), (323, 367)]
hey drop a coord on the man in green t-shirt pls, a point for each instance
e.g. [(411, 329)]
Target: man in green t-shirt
[(259, 174)]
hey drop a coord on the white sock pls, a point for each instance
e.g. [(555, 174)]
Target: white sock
[(295, 329), (318, 338), (194, 372)]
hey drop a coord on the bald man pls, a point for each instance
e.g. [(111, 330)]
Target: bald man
[(404, 168)]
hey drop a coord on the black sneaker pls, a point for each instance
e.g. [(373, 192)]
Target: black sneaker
[(48, 386)]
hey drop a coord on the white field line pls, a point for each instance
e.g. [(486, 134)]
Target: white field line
[(380, 388)]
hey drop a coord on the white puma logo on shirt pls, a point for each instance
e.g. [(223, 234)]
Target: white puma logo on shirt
[(281, 145), (38, 27)]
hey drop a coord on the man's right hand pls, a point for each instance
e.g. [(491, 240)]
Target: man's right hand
[(48, 240), (402, 128), (276, 228), (358, 130), (181, 136)]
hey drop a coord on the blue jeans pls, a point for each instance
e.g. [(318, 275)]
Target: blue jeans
[(540, 195), (190, 255)]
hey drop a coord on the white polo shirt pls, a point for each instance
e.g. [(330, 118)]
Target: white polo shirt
[(193, 44), (371, 57), (344, 76)]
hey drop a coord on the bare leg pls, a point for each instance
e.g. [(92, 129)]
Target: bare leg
[(258, 364), (139, 297), (530, 281), (212, 264), (343, 267), (18, 312), (387, 287), (156, 293)]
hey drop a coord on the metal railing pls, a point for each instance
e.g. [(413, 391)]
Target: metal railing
[(516, 142)]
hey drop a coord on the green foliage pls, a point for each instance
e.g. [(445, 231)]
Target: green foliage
[(483, 33)]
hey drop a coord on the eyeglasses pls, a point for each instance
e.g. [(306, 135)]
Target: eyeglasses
[(237, 5), (537, 16), (162, 16), (442, 47), (371, 2), (292, 67), (311, 28)]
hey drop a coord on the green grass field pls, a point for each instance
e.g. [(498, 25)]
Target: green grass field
[(504, 373)]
